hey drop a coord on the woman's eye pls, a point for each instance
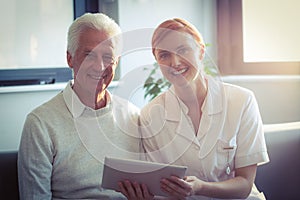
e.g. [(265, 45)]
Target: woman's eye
[(163, 56), (182, 51)]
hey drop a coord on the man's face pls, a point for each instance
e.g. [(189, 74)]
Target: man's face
[(93, 62)]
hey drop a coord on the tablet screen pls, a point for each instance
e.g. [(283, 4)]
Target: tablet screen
[(149, 173)]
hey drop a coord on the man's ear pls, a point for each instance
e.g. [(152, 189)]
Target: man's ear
[(69, 59), (117, 61)]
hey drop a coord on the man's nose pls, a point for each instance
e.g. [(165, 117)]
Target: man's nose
[(101, 64)]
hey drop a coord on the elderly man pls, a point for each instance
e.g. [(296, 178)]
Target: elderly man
[(65, 140)]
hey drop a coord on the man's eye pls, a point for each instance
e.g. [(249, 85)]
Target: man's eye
[(108, 59), (90, 55)]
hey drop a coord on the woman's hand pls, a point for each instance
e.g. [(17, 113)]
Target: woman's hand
[(181, 188), (238, 187), (135, 191)]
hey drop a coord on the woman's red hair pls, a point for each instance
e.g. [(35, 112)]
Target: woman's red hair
[(175, 24)]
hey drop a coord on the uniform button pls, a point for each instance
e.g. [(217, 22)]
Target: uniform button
[(196, 147)]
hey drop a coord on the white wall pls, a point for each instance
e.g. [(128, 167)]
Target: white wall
[(278, 97), (15, 104), (138, 16)]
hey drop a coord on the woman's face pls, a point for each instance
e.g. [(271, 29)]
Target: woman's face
[(179, 57)]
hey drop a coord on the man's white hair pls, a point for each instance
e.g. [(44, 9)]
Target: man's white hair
[(97, 21)]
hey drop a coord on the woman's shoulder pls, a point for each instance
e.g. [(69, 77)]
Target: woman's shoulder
[(153, 105), (239, 97), (237, 91)]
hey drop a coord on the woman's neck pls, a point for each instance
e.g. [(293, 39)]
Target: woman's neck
[(193, 92), (193, 96)]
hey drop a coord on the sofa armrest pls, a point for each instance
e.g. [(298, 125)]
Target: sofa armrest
[(280, 178)]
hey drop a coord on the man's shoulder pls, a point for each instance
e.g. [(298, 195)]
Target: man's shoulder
[(121, 103), (51, 106)]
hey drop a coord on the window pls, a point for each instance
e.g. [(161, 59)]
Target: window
[(33, 41), (34, 38), (230, 45)]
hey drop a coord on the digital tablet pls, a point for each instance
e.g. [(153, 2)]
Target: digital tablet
[(149, 173)]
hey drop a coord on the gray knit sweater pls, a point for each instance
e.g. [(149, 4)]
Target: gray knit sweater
[(63, 145)]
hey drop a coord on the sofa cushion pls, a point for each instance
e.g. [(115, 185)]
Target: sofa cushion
[(9, 175)]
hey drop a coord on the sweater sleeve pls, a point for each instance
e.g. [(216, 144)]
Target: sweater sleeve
[(35, 158)]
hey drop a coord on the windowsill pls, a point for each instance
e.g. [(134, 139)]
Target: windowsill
[(260, 78), (32, 88), (35, 88)]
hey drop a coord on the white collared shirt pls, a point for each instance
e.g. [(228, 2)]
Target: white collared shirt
[(230, 133)]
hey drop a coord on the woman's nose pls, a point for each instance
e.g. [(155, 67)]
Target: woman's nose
[(175, 60)]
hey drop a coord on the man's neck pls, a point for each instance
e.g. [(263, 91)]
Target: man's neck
[(101, 100), (95, 101)]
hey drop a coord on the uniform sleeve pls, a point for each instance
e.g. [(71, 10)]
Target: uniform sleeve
[(151, 124), (35, 158), (251, 141), (144, 131)]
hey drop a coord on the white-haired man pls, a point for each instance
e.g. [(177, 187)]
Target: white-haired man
[(65, 140)]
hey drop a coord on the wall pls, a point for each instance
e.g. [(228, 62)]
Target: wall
[(15, 104), (278, 97), (140, 17)]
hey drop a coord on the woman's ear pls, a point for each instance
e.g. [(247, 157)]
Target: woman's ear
[(69, 59), (202, 51)]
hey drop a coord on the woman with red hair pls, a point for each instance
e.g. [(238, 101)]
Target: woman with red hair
[(213, 128)]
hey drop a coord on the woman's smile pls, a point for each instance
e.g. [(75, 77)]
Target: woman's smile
[(176, 72)]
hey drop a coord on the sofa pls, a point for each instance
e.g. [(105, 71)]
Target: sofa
[(278, 180), (9, 175)]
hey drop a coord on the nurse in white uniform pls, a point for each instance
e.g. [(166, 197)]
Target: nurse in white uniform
[(213, 128)]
